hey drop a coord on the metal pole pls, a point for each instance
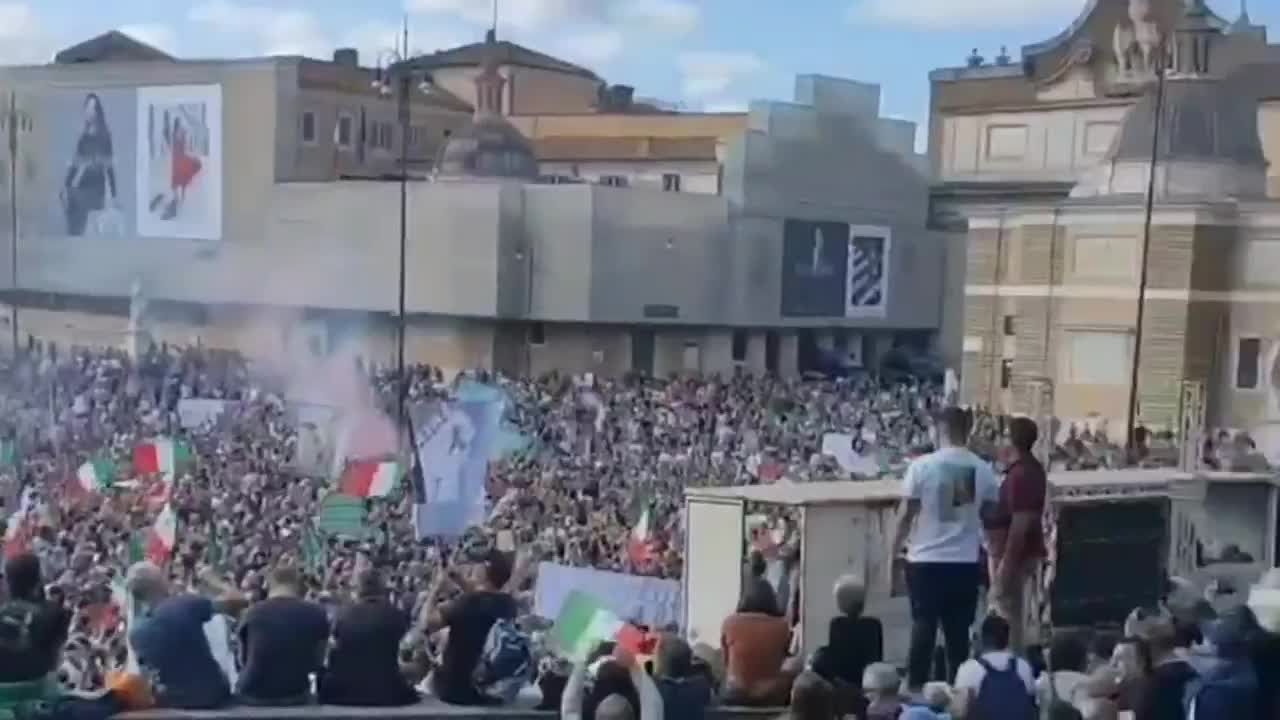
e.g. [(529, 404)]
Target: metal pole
[(1131, 422), (13, 219), (403, 100)]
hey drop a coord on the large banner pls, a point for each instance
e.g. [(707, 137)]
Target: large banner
[(453, 443), (832, 270), (85, 183), (650, 601), (814, 260), (180, 161)]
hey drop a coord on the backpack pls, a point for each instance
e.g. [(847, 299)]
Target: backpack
[(505, 662), (17, 620), (1002, 695)]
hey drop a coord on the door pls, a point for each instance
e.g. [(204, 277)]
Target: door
[(642, 351), (772, 346)]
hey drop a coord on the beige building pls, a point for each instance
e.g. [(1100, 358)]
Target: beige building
[(1045, 166), (232, 204)]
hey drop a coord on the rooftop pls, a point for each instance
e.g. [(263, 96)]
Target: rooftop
[(504, 51)]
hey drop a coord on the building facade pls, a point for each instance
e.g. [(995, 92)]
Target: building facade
[(236, 199), (1044, 175)]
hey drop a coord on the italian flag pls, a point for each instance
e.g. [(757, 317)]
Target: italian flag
[(640, 544), (583, 623), (370, 478), (18, 532), (96, 475), (160, 456), (163, 536)]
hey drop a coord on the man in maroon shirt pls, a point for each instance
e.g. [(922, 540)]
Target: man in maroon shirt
[(1015, 534)]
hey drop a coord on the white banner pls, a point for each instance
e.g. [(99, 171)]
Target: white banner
[(840, 447), (654, 602), (195, 412)]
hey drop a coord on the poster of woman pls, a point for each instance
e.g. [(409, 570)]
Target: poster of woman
[(90, 162), (180, 161)]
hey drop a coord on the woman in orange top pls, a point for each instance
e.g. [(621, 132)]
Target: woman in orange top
[(755, 640)]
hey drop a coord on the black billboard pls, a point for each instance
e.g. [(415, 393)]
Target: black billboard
[(815, 259)]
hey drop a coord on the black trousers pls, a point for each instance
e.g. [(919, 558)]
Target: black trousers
[(946, 595)]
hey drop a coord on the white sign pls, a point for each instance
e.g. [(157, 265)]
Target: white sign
[(196, 412), (654, 602), (840, 447)]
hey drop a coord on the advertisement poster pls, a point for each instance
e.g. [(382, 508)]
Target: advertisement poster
[(179, 159)]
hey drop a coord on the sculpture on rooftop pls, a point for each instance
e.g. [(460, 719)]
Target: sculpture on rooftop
[(1137, 44)]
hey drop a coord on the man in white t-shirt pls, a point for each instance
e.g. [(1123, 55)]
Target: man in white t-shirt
[(946, 493)]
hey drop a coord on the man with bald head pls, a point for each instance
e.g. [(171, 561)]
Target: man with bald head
[(170, 642)]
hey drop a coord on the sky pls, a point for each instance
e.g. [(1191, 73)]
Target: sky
[(709, 55)]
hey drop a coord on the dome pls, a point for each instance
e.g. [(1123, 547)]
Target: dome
[(488, 148), (1208, 146)]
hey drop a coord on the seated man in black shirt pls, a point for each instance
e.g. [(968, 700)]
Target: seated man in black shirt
[(283, 640), (469, 617), (854, 641), (32, 630), (364, 663)]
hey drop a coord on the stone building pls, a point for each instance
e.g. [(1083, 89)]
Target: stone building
[(1053, 199), (799, 241)]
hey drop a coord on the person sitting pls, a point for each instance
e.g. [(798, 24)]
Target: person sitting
[(283, 640), (1229, 687), (880, 683), (172, 648), (686, 694), (997, 683), (935, 705), (811, 699), (854, 641), (755, 640), (32, 633), (1066, 679), (621, 689), (364, 661)]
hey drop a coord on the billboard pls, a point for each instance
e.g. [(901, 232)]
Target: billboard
[(119, 162), (86, 179), (815, 256), (834, 270), (179, 151)]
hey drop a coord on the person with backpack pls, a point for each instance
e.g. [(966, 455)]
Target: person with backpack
[(997, 684), (32, 633), (485, 654)]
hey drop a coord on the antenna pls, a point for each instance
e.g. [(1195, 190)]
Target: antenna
[(1244, 10), (404, 34), (494, 26)]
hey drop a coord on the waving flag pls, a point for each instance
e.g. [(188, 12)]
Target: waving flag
[(370, 478), (160, 456), (96, 475), (163, 536), (640, 545), (583, 623), (18, 533)]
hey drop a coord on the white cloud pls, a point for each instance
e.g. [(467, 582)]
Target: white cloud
[(725, 106), (275, 30), (24, 39), (157, 35), (374, 38), (711, 74), (677, 17), (591, 47), (960, 14)]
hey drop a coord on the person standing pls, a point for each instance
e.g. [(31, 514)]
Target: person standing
[(945, 493), (1015, 535)]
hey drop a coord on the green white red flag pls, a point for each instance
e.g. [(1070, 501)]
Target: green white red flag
[(370, 478), (163, 536), (161, 456)]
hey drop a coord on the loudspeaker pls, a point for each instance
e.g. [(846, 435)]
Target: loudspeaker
[(1111, 558)]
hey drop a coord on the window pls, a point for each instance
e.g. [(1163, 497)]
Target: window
[(537, 334), (1101, 357), (1006, 373), (342, 134), (739, 346), (1248, 363), (613, 180), (1009, 329), (308, 127), (671, 182)]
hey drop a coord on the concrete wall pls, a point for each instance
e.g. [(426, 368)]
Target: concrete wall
[(695, 176)]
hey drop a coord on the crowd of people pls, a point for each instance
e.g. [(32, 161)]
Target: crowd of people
[(378, 619)]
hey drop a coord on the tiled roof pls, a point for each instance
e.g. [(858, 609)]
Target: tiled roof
[(109, 46), (508, 53)]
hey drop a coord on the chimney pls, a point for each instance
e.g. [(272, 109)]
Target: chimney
[(622, 96), (346, 57)]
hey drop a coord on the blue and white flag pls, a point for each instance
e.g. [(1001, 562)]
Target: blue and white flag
[(453, 443)]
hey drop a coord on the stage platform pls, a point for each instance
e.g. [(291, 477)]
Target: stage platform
[(427, 710)]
